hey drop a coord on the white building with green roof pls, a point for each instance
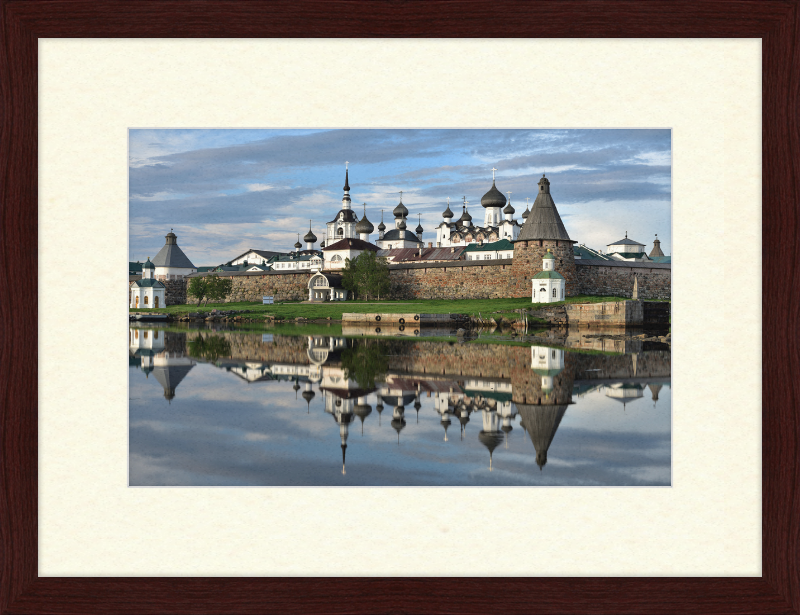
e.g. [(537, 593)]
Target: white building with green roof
[(148, 292), (489, 251), (549, 286)]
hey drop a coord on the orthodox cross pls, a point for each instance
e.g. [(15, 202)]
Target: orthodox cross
[(401, 196), (493, 170), (448, 204), (345, 164), (509, 197), (526, 201)]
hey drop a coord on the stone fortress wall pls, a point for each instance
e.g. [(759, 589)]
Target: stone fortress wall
[(465, 280)]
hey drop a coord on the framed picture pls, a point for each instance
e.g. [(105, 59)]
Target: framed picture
[(31, 516)]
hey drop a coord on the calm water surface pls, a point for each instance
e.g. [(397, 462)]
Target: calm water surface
[(233, 408)]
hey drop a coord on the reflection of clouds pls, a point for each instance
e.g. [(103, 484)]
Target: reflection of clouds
[(220, 430)]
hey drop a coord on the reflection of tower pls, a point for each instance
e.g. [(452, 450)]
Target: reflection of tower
[(379, 408), (547, 363), (417, 403), (362, 411), (541, 423), (170, 368), (296, 387), (343, 417), (398, 421), (654, 390), (490, 436)]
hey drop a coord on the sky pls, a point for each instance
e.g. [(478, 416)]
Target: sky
[(226, 191)]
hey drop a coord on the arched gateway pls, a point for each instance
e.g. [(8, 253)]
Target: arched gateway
[(326, 287)]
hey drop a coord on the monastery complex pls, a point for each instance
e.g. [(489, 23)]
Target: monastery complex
[(500, 257)]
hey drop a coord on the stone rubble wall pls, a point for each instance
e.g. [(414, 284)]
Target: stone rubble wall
[(465, 280), (617, 281)]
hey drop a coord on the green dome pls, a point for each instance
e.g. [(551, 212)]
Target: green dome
[(549, 254), (548, 275)]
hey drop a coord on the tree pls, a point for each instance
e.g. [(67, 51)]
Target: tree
[(218, 288), (367, 274), (366, 362), (198, 288), (349, 273)]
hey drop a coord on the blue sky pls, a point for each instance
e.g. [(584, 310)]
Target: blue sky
[(225, 191)]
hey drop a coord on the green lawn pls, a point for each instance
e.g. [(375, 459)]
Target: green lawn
[(290, 310)]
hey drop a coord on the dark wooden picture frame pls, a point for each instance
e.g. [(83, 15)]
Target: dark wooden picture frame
[(776, 22)]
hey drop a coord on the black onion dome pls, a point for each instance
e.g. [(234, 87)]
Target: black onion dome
[(419, 228), (465, 217), (308, 395), (381, 226), (493, 198), (525, 214), (310, 237), (508, 209), (364, 225), (298, 245), (402, 225), (400, 211), (447, 213)]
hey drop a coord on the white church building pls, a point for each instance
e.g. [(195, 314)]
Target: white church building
[(548, 285), (148, 292)]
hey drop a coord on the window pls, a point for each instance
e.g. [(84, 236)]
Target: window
[(336, 259), (340, 231), (155, 333), (555, 293), (486, 257), (145, 335), (136, 333), (156, 305), (146, 299)]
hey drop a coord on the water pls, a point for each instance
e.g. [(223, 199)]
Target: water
[(259, 408)]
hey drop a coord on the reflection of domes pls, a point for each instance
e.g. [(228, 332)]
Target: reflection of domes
[(309, 395), (362, 411), (490, 439), (493, 198), (507, 428)]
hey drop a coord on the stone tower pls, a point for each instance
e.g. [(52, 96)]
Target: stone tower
[(543, 230)]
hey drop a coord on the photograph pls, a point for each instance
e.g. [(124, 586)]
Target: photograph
[(399, 307)]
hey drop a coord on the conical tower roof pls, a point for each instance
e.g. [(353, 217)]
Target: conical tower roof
[(543, 222), (541, 424), (171, 255), (656, 251)]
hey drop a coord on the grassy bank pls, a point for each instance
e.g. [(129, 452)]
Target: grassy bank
[(291, 310)]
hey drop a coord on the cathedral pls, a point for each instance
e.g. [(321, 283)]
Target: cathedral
[(498, 222), (346, 225)]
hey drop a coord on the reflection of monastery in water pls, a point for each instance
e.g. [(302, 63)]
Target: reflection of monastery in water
[(481, 391), (168, 367)]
